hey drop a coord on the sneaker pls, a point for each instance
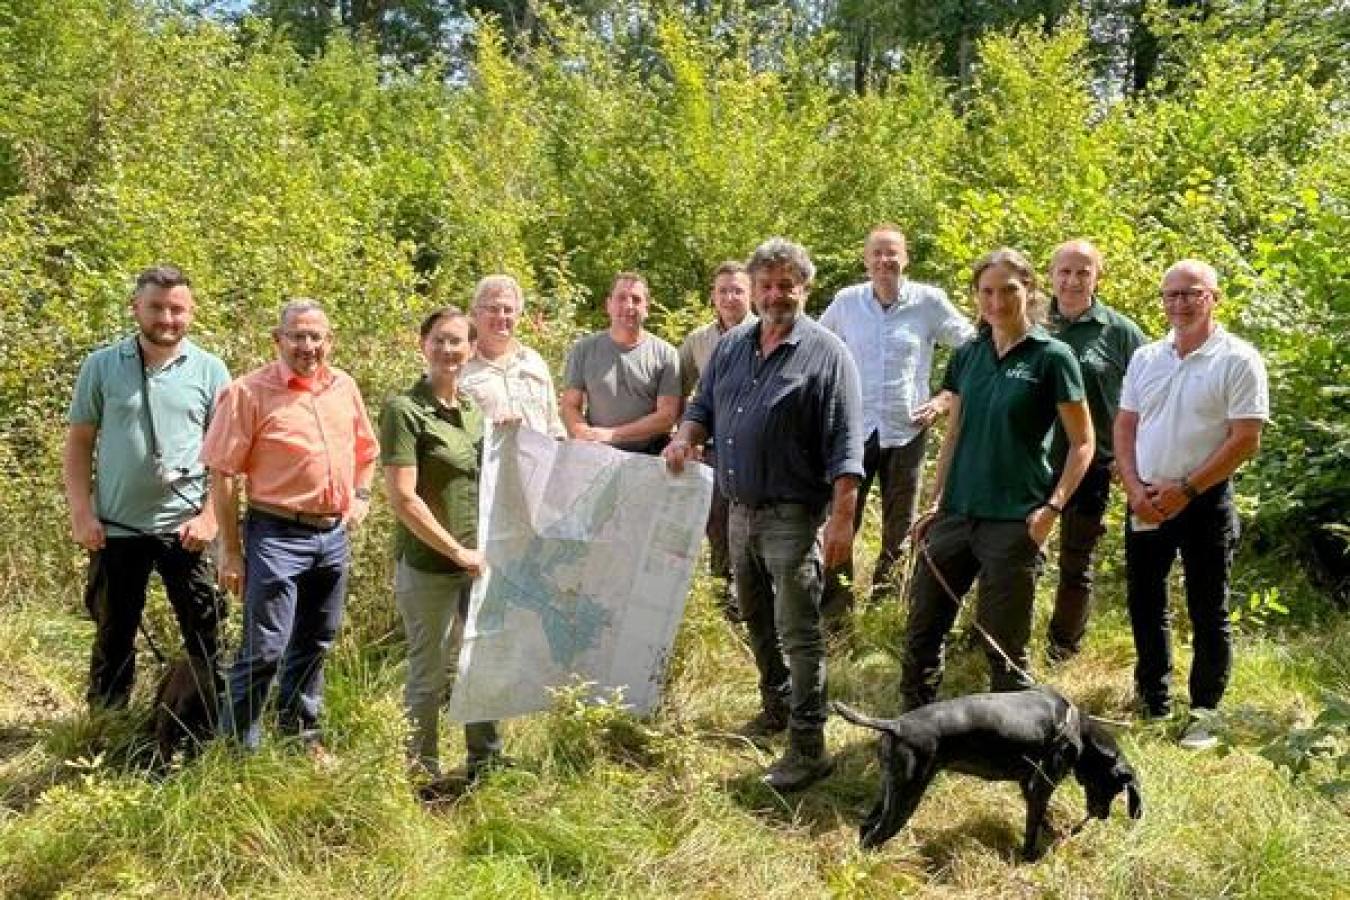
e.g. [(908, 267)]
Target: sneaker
[(1198, 735), (766, 723), (1058, 654)]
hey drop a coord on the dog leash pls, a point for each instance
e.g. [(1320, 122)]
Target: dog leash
[(989, 638), (974, 623)]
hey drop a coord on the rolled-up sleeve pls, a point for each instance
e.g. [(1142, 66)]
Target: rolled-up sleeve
[(843, 447)]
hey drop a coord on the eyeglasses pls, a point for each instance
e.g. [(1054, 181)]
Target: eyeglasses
[(300, 337), (1190, 295), (498, 309)]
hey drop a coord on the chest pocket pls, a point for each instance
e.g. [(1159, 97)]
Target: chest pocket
[(450, 449)]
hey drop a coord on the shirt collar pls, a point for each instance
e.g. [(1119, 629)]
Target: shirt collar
[(1095, 312), (129, 349), (315, 383), (1036, 333), (750, 319), (794, 336), (902, 296), (1209, 347), (423, 393)]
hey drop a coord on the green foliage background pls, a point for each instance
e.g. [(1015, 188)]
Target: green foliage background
[(132, 133), (274, 161)]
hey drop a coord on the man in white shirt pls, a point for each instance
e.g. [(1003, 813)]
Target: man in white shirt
[(505, 378), (1191, 412), (891, 326)]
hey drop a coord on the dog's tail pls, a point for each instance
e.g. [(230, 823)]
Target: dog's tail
[(858, 718)]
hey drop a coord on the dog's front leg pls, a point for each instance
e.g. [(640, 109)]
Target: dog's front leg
[(1037, 794)]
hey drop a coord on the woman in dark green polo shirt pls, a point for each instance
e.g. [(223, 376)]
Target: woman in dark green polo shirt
[(996, 504), (431, 440)]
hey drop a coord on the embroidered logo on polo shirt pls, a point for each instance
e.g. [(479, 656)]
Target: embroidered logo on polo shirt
[(1095, 357), (1022, 372)]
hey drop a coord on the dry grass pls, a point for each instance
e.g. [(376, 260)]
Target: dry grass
[(606, 806)]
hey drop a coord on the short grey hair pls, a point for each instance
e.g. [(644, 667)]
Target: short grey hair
[(491, 285), (779, 251), (1208, 274), (292, 308)]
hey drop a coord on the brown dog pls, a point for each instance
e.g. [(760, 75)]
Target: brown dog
[(185, 707)]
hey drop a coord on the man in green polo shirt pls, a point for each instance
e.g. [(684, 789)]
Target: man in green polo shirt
[(1103, 340), (135, 487)]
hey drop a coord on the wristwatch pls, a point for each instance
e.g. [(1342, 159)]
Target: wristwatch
[(1189, 489), (362, 493), (1058, 510)]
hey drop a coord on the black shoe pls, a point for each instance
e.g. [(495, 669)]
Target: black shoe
[(731, 604), (766, 723), (478, 769), (805, 762), (1057, 654)]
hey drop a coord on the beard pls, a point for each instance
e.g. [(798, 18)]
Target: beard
[(161, 336)]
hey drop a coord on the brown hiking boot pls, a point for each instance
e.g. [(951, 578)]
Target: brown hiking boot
[(805, 762)]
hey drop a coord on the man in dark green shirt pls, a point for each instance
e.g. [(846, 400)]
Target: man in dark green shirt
[(1103, 340)]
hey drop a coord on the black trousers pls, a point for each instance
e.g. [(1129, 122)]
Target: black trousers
[(115, 597), (1003, 557), (897, 471), (1080, 529), (1204, 535)]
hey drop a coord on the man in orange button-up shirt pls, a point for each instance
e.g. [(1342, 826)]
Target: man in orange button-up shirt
[(297, 432)]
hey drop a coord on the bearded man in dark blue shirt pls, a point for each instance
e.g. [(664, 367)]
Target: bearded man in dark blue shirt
[(781, 400)]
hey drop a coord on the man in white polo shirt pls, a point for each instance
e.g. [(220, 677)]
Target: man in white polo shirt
[(891, 326), (1191, 411)]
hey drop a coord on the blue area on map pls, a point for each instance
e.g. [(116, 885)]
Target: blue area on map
[(573, 622)]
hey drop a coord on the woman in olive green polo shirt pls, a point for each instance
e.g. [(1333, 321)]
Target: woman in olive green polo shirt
[(431, 440), (996, 504)]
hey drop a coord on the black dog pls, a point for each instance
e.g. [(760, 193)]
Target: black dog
[(1033, 737), (186, 702)]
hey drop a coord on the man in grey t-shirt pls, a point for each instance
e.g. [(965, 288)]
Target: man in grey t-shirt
[(623, 384)]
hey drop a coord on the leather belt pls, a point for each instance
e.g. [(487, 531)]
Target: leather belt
[(316, 521)]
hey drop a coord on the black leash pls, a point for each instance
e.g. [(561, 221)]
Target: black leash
[(989, 638)]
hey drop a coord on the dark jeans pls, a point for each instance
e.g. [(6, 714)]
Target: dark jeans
[(1006, 561), (115, 597), (897, 469), (775, 557), (1080, 529), (718, 536), (295, 581), (1204, 534)]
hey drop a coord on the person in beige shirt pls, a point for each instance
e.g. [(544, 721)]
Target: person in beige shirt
[(505, 378), (731, 303)]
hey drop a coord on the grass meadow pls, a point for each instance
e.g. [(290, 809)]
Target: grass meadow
[(606, 805)]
